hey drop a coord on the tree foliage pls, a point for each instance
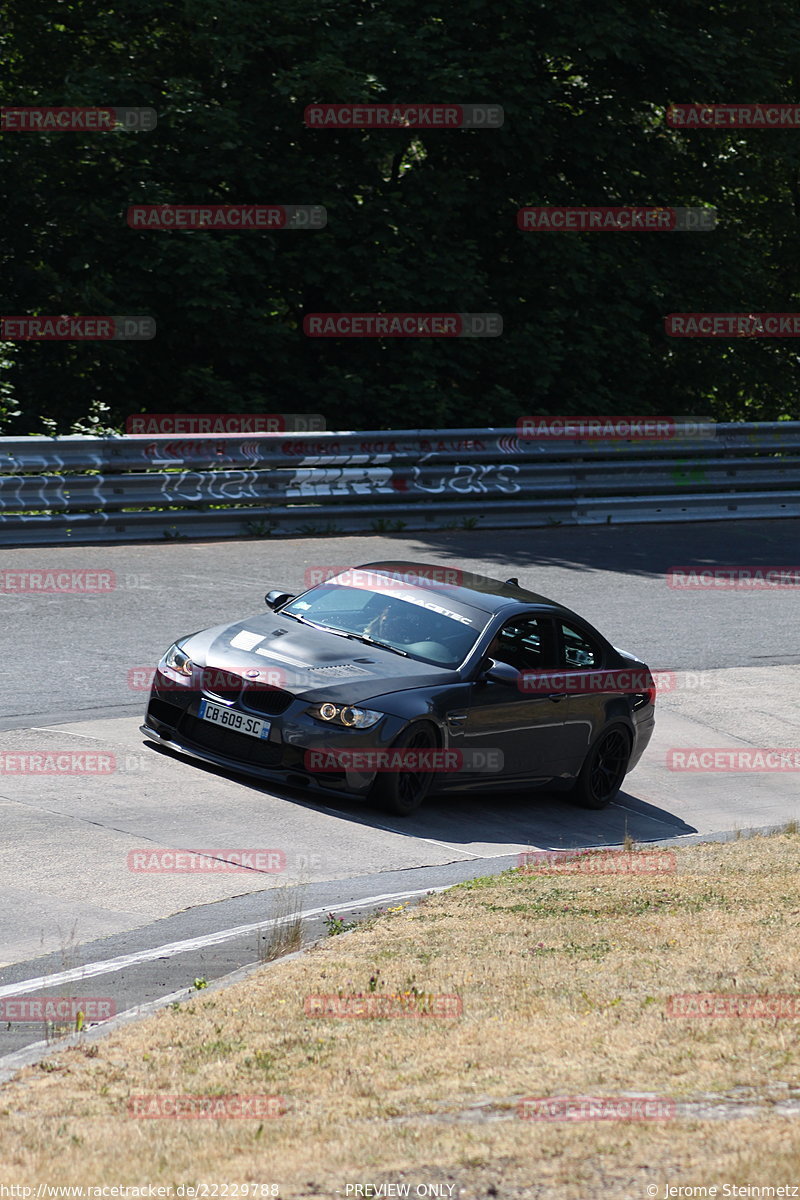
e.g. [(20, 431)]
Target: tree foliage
[(418, 220)]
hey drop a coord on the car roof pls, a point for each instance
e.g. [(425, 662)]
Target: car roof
[(481, 591)]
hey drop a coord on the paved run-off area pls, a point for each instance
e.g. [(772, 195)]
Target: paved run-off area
[(65, 882)]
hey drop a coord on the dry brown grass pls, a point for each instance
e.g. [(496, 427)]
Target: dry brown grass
[(564, 981)]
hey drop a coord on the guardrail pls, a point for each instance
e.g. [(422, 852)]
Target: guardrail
[(136, 488)]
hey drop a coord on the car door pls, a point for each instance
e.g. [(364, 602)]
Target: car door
[(526, 728), (586, 711)]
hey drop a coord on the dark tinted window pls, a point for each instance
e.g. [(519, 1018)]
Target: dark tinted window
[(527, 643), (578, 650)]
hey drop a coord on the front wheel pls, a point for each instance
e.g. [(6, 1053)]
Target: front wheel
[(605, 768), (402, 792)]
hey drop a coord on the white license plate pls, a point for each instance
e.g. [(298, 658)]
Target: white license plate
[(231, 718)]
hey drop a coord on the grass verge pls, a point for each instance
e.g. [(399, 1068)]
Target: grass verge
[(564, 981)]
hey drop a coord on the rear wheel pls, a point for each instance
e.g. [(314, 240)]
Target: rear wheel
[(605, 768), (402, 792)]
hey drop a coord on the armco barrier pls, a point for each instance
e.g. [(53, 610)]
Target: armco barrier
[(139, 488)]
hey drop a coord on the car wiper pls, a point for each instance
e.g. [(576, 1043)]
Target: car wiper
[(354, 637), (305, 621), (370, 641)]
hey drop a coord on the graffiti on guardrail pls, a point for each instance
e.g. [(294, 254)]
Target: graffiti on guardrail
[(464, 478), (197, 486), (89, 489), (375, 477)]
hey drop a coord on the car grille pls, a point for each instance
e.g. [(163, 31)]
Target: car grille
[(231, 744), (270, 701), (225, 684)]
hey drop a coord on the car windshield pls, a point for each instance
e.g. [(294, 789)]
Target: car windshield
[(418, 622)]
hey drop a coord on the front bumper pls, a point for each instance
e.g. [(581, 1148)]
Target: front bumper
[(172, 720)]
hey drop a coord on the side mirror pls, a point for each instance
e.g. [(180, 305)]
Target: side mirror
[(501, 672), (276, 599)]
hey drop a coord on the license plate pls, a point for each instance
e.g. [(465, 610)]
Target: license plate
[(231, 718)]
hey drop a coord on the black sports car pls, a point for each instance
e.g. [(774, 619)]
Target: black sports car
[(395, 680)]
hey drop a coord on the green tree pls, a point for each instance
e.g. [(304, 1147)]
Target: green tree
[(417, 220)]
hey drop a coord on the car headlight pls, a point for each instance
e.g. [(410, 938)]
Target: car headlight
[(176, 660), (345, 714)]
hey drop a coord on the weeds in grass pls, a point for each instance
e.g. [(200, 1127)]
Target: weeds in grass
[(218, 1049), (285, 935), (258, 528), (262, 1061), (336, 925), (53, 1030), (328, 528), (384, 525)]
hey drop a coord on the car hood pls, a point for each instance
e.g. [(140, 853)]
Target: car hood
[(308, 662)]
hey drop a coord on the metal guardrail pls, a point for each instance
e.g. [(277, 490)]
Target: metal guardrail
[(136, 488)]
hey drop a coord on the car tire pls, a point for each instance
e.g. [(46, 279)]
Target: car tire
[(604, 768), (402, 792)]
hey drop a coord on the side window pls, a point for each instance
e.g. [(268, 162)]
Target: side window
[(578, 651), (527, 643)]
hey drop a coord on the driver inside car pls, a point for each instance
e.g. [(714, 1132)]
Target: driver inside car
[(410, 630), (392, 625)]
